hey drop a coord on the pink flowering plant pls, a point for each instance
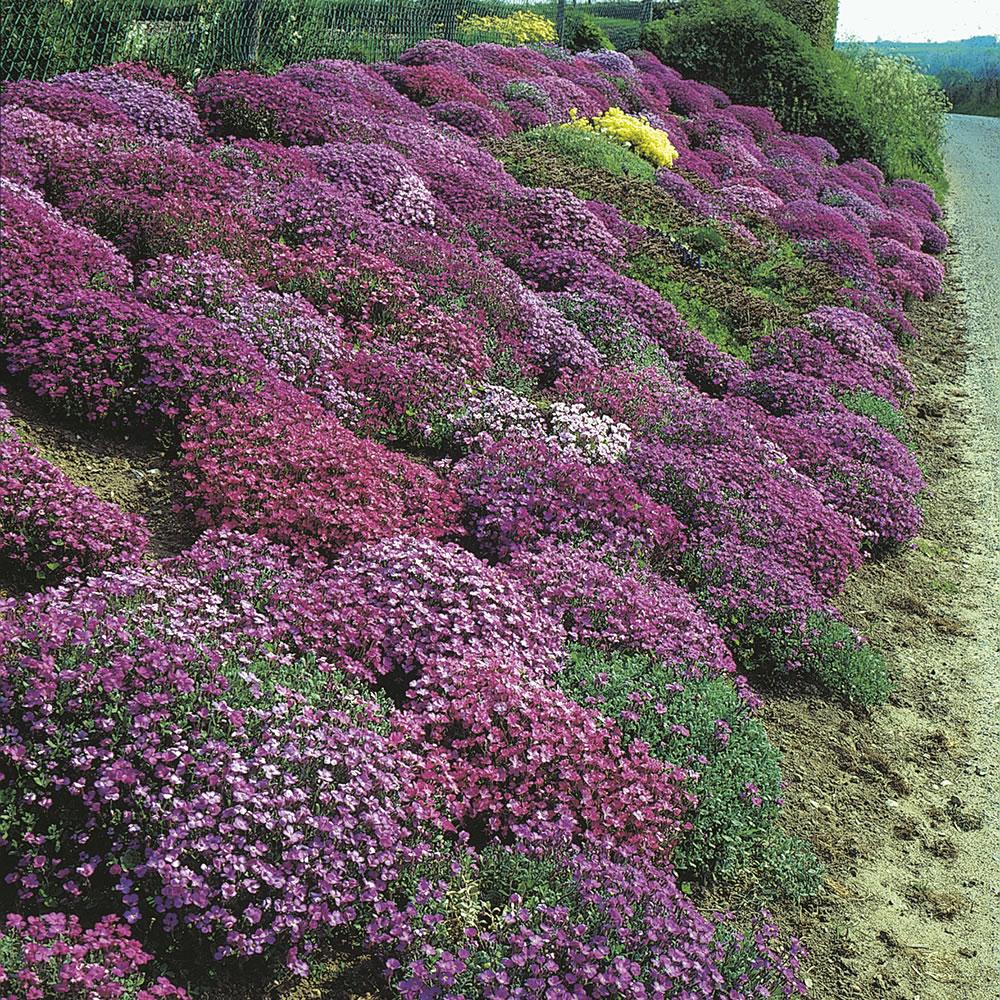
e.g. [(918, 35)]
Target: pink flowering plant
[(54, 955)]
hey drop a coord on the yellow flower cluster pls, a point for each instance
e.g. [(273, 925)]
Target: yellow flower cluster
[(515, 29), (633, 131)]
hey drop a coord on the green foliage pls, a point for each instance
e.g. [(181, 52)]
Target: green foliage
[(505, 370), (822, 647), (847, 665), (817, 18), (905, 113), (878, 410), (584, 34), (706, 241), (702, 314), (866, 105), (705, 725), (53, 36), (835, 656), (586, 148)]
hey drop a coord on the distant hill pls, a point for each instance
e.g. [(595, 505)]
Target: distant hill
[(969, 70), (979, 56)]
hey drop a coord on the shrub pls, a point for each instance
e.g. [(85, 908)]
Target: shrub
[(150, 200), (583, 33), (878, 410), (66, 102), (400, 395), (836, 656), (812, 353), (99, 356), (514, 29), (817, 18), (860, 470), (150, 108), (905, 112), (704, 724), (42, 255), (287, 329), (275, 109), (601, 602)]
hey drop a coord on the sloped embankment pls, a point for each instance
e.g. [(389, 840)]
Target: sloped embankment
[(493, 528)]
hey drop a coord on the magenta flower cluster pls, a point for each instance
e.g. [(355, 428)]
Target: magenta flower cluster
[(55, 955), (186, 766)]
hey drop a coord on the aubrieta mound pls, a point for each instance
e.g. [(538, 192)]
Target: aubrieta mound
[(534, 408)]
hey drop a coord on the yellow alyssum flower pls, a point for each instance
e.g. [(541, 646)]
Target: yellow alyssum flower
[(519, 28), (633, 131)]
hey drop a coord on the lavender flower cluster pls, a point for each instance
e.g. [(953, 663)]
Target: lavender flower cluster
[(437, 436)]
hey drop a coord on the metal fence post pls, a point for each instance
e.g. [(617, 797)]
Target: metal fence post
[(248, 26), (561, 21), (646, 12)]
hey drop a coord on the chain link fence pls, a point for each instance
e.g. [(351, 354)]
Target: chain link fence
[(191, 38)]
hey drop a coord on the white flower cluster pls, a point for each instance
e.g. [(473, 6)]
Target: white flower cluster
[(497, 412), (588, 436)]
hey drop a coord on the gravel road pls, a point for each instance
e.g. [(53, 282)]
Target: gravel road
[(973, 161)]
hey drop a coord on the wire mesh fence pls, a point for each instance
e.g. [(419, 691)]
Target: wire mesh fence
[(191, 38)]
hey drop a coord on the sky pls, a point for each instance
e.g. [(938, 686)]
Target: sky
[(917, 20)]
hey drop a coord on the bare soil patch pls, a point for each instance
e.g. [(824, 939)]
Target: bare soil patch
[(900, 802), (131, 473)]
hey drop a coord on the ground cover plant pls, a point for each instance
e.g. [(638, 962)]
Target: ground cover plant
[(534, 408)]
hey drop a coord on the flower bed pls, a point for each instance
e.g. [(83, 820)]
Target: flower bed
[(510, 492)]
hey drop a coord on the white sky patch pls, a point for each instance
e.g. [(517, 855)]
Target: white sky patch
[(917, 20)]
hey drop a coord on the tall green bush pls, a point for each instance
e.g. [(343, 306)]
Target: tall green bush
[(867, 105), (905, 112), (817, 18), (759, 57)]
